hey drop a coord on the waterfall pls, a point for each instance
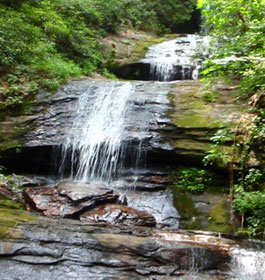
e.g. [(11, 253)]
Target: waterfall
[(93, 147), (175, 59), (248, 264)]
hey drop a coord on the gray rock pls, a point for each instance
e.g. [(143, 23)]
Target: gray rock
[(159, 204), (66, 249), (77, 191)]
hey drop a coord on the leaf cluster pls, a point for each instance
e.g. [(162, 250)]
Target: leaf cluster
[(193, 179), (250, 200), (237, 31)]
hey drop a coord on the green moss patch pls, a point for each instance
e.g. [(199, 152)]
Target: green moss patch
[(12, 131), (219, 218), (189, 144), (189, 107), (11, 214)]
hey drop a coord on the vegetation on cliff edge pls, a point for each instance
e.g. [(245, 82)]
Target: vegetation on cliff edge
[(237, 37)]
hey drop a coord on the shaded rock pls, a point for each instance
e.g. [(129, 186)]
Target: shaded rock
[(119, 214), (8, 193), (137, 186), (156, 179), (36, 181)]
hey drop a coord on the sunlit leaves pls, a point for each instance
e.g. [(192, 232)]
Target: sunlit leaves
[(200, 4), (237, 27)]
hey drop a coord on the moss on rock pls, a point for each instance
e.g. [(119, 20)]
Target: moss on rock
[(12, 214), (197, 120), (219, 218), (128, 47)]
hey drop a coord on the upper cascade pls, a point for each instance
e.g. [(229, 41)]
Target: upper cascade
[(175, 59)]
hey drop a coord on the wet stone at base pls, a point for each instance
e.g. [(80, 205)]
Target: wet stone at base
[(119, 214), (68, 199)]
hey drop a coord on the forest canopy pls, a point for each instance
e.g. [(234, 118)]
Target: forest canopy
[(44, 43)]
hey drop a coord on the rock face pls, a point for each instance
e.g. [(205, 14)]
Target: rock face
[(172, 122), (141, 183), (78, 192), (67, 249)]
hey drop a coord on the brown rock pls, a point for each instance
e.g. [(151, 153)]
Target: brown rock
[(47, 200), (119, 214), (68, 199)]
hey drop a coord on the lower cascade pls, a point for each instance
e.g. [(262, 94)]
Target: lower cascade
[(248, 264)]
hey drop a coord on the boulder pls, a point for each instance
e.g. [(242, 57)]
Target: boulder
[(119, 214), (78, 191), (159, 204), (68, 199), (49, 201)]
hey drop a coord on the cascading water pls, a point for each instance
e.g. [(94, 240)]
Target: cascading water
[(174, 59), (93, 147), (248, 264)]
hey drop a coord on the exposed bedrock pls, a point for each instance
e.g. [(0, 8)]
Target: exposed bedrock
[(67, 249), (171, 121)]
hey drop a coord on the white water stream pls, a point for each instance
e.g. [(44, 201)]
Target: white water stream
[(94, 143), (174, 59), (248, 264)]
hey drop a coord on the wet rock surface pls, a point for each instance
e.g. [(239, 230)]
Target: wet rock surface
[(159, 204), (68, 199), (78, 192), (98, 203), (67, 249), (119, 214), (141, 183), (171, 121)]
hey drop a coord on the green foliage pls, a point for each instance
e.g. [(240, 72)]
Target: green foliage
[(252, 206), (170, 13), (193, 179), (250, 200), (13, 182), (44, 43), (210, 96), (237, 31), (218, 154)]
